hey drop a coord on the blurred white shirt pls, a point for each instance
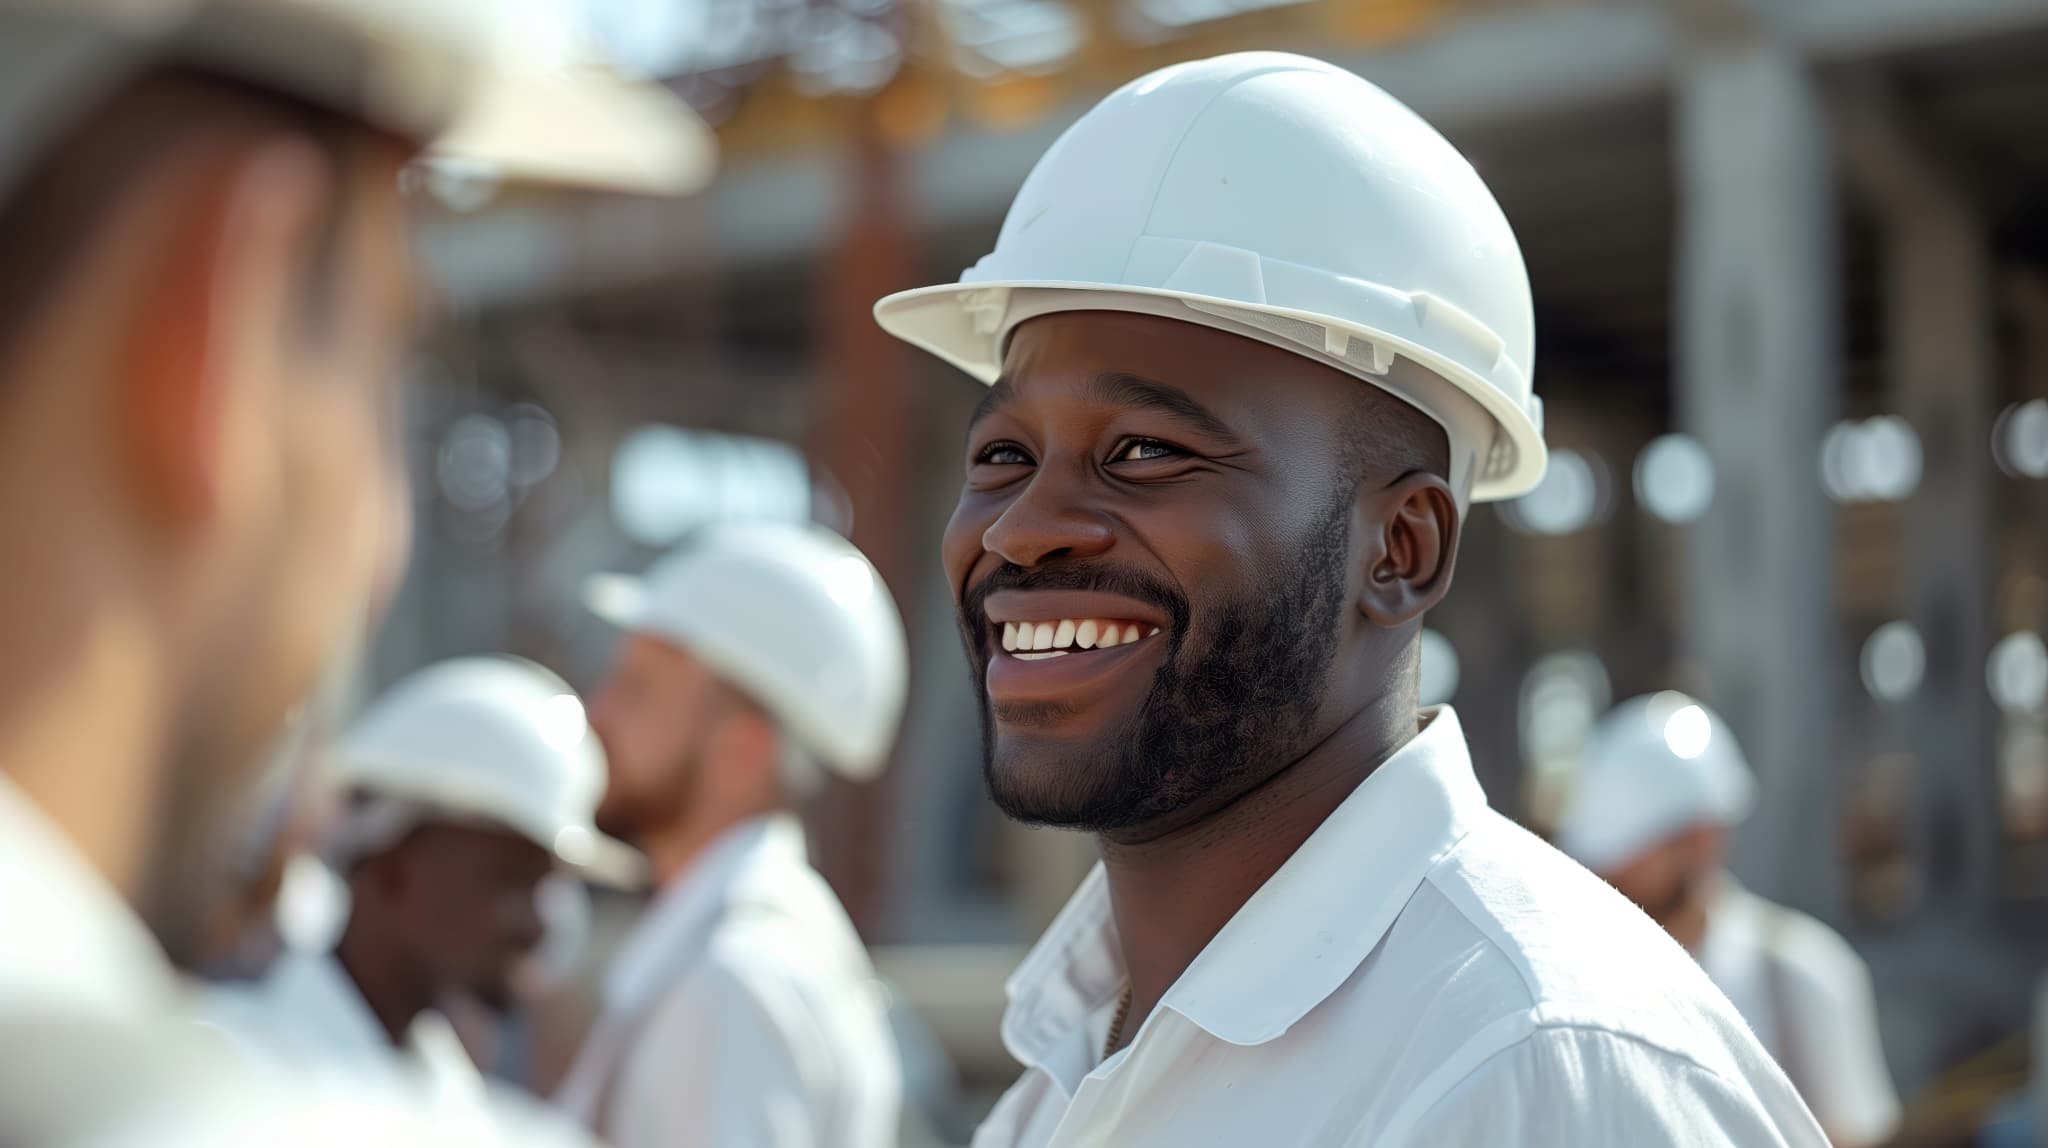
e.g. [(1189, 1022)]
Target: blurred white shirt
[(1808, 998), (742, 1013), (1422, 972), (307, 1012), (102, 1049)]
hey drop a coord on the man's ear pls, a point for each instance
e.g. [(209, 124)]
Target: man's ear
[(211, 316), (1410, 536)]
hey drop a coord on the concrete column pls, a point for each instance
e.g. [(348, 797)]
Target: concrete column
[(1939, 365), (864, 417), (1757, 382)]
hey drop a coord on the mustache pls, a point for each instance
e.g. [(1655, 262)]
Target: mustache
[(1095, 577)]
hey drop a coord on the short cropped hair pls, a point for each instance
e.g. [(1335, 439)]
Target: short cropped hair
[(57, 209)]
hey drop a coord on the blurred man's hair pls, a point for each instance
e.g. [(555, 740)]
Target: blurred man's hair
[(58, 208)]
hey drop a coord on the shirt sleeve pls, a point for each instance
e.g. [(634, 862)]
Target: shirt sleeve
[(1832, 1009), (711, 1069), (1567, 1087)]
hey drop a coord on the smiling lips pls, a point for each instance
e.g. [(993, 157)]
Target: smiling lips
[(1056, 638)]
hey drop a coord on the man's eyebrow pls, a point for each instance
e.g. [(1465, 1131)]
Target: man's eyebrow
[(1123, 389), (999, 392)]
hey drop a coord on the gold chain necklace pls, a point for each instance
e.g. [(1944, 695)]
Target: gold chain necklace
[(1116, 1023)]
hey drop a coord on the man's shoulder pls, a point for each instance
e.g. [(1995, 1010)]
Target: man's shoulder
[(1561, 1085), (168, 1081), (788, 964), (1532, 973), (1520, 930)]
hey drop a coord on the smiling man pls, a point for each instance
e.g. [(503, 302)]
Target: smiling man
[(1256, 336)]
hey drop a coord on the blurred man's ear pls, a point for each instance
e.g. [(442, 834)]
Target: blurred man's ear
[(211, 317)]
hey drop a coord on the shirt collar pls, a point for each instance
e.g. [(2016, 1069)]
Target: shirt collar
[(683, 911), (69, 934), (1299, 937), (316, 996), (1734, 937), (320, 1000)]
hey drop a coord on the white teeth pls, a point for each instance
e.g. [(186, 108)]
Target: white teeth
[(1041, 656), (1043, 638)]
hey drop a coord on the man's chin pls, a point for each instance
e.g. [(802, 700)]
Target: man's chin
[(1041, 785), (497, 995)]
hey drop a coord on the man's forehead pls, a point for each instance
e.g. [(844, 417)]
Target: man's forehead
[(1111, 341), (1125, 359), (657, 651)]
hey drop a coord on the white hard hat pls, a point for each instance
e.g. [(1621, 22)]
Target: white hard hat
[(794, 617), (1283, 199), (493, 84), (495, 739), (1654, 766)]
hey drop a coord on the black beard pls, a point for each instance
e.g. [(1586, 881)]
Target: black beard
[(1219, 718)]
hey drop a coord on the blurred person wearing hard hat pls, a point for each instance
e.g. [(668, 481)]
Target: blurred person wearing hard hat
[(467, 786), (757, 660), (1255, 335), (1659, 786), (205, 294)]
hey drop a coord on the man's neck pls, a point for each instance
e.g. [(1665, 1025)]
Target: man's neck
[(672, 854), (1173, 893), (388, 982), (79, 721)]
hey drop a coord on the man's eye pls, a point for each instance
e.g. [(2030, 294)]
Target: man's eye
[(1145, 450), (1003, 454)]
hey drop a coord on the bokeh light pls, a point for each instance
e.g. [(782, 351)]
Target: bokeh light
[(1875, 460), (1570, 498), (2019, 439), (1893, 661), (666, 482), (1563, 694), (2017, 673), (1439, 669), (475, 465), (1675, 478)]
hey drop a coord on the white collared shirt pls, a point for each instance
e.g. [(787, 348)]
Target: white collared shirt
[(1422, 972), (307, 1012), (742, 1013), (102, 1050), (1808, 998)]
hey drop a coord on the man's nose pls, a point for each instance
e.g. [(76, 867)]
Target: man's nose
[(1051, 519)]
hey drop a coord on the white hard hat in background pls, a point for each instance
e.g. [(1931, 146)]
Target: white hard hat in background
[(494, 739), (490, 84), (1283, 199), (791, 615), (1654, 766)]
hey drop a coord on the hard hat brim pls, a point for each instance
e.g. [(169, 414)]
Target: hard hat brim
[(942, 320), (609, 862), (470, 107), (586, 128), (577, 848), (619, 599)]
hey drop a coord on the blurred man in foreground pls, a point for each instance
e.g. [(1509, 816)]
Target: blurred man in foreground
[(1661, 784), (204, 299), (742, 1010), (468, 785), (1255, 334)]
